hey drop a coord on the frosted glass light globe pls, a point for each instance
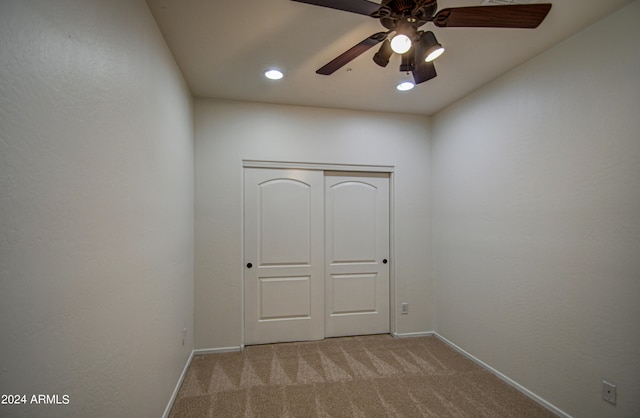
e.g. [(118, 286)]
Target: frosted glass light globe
[(400, 44), (434, 54)]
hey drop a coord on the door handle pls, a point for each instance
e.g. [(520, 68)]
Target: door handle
[(384, 261), (249, 265)]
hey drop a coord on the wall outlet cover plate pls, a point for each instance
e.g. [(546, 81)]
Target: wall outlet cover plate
[(609, 392)]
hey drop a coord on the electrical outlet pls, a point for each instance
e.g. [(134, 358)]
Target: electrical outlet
[(609, 392), (184, 335), (404, 308)]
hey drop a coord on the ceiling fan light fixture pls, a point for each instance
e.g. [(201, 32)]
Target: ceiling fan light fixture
[(432, 49), (400, 43), (418, 48), (384, 54), (434, 54), (405, 86), (407, 62), (273, 74)]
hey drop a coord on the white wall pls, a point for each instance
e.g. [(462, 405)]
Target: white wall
[(228, 132), (536, 218), (96, 209)]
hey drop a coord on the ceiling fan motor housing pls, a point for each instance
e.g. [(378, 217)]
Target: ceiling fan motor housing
[(418, 12), (403, 6)]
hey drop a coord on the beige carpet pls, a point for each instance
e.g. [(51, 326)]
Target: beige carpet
[(368, 376)]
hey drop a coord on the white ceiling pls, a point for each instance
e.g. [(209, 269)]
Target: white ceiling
[(224, 47)]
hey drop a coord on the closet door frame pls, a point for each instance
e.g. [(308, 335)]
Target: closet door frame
[(389, 169)]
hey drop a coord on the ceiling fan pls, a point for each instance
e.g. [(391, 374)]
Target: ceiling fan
[(418, 48)]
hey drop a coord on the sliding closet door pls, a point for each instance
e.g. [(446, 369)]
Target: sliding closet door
[(357, 253), (284, 255)]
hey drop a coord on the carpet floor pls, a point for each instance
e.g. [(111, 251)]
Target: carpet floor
[(366, 376)]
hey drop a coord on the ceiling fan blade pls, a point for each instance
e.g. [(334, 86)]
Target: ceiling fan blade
[(352, 53), (527, 16), (363, 7), (423, 71)]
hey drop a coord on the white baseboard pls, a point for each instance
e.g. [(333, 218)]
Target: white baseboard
[(412, 334), (186, 367), (505, 378), (177, 388), (217, 350)]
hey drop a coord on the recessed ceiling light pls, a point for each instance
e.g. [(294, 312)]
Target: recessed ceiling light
[(274, 74), (404, 86)]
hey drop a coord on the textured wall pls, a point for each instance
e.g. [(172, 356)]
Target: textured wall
[(228, 132), (536, 221), (96, 209)]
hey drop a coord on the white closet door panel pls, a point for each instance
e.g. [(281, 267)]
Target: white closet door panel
[(353, 230), (284, 208), (284, 247), (353, 293), (357, 248)]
